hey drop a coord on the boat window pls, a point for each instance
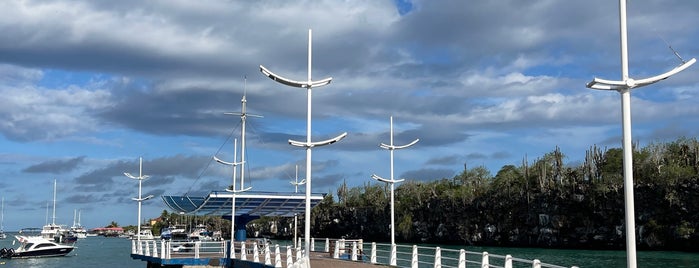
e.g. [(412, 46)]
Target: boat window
[(43, 245), (28, 245)]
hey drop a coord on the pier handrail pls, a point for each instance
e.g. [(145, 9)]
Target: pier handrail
[(346, 249)]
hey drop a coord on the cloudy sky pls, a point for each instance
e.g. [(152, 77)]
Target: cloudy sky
[(88, 87)]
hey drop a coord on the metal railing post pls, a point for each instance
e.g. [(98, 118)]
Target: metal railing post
[(243, 251), (255, 253), (354, 250), (508, 261), (536, 263), (197, 245), (327, 245), (336, 252), (155, 249), (414, 260), (462, 258), (289, 257), (438, 258), (373, 252), (393, 259), (147, 247), (277, 256), (268, 258), (133, 247), (313, 244), (484, 262)]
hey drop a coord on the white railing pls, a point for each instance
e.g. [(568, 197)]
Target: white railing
[(351, 250)]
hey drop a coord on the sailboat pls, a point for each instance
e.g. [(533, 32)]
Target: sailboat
[(53, 231), (77, 229), (2, 219)]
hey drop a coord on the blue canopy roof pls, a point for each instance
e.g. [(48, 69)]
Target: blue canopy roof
[(251, 203)]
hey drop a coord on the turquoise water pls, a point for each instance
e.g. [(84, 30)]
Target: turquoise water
[(98, 251), (114, 253)]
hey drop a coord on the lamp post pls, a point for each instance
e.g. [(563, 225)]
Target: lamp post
[(139, 199), (308, 144), (392, 181), (296, 184), (624, 87)]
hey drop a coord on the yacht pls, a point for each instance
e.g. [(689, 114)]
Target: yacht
[(36, 247)]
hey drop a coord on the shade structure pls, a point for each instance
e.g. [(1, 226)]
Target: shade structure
[(248, 203)]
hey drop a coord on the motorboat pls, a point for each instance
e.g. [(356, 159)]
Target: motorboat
[(36, 247), (146, 234), (175, 232)]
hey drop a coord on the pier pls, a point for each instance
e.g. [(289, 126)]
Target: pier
[(330, 253)]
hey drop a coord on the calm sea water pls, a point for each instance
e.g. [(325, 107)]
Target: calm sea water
[(114, 253)]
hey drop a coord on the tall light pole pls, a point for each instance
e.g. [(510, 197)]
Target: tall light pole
[(139, 199), (308, 144), (392, 181), (296, 184), (624, 86)]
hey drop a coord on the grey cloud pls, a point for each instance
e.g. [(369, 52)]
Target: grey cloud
[(56, 166)]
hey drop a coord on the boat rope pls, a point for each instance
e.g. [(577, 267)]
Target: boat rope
[(211, 159)]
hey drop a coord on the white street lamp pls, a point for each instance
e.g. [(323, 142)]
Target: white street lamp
[(624, 87), (296, 184), (308, 144), (140, 179), (392, 181)]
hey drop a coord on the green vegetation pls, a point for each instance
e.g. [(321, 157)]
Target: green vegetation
[(545, 203)]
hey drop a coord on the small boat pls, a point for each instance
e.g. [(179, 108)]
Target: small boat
[(36, 247), (175, 232), (146, 234)]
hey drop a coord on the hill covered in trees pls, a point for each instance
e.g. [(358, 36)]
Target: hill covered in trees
[(546, 203)]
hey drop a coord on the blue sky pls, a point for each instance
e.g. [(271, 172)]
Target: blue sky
[(88, 87)]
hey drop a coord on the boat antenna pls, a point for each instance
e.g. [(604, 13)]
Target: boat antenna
[(53, 219)]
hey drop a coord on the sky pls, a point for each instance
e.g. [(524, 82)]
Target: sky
[(89, 87)]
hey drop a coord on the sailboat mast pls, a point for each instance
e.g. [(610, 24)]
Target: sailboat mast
[(53, 219)]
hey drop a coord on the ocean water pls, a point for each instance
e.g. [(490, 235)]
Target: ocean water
[(104, 252)]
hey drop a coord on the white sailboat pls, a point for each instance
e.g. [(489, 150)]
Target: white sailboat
[(53, 231), (77, 229), (2, 219)]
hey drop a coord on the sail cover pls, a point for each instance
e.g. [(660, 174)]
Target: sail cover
[(250, 203)]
